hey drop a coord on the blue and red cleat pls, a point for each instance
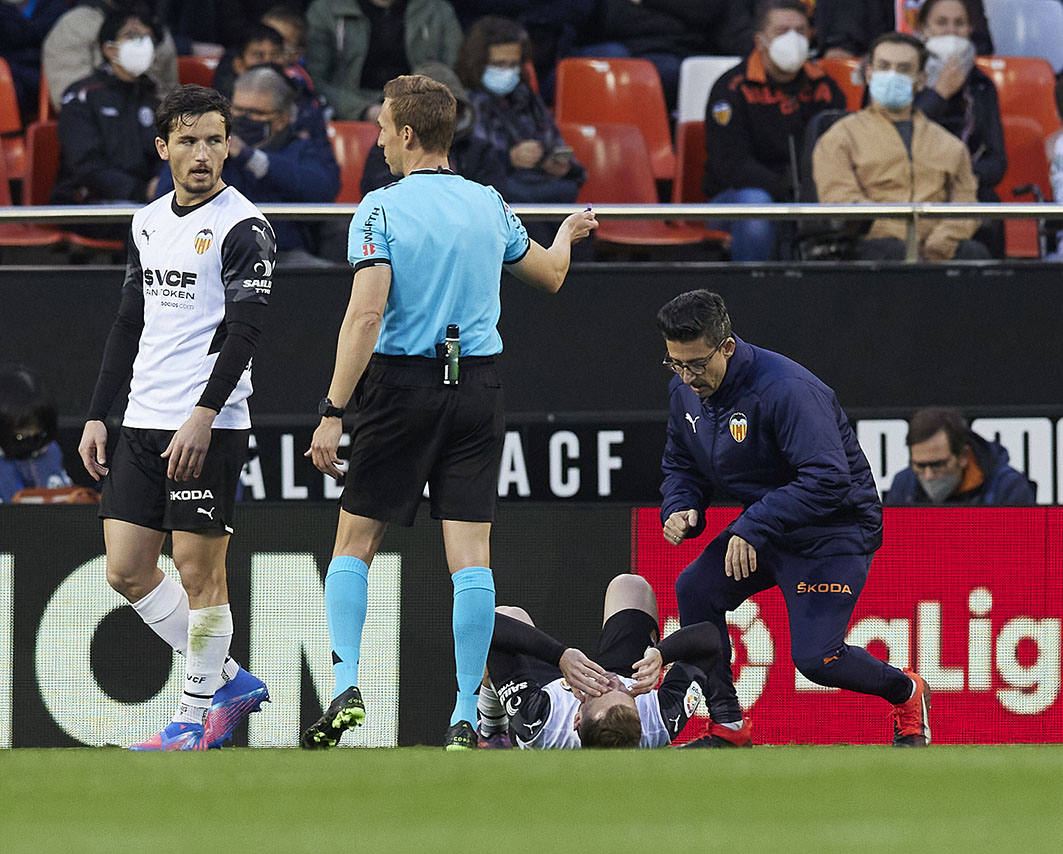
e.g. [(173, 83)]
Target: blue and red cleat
[(177, 736), (233, 702)]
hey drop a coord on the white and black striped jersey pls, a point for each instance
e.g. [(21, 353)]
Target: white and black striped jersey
[(547, 722), (194, 266)]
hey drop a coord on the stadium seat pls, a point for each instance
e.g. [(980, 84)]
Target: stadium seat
[(15, 234), (617, 91), (1024, 143), (196, 69), (1025, 87), (697, 76), (11, 138), (1027, 28), (849, 75), (42, 167), (45, 110), (351, 144), (619, 172), (690, 158)]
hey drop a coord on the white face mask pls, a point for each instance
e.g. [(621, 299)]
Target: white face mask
[(789, 51), (944, 48), (135, 55)]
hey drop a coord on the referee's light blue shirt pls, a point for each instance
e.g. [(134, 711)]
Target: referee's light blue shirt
[(446, 239)]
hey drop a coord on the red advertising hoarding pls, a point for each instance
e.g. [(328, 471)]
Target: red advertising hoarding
[(971, 598)]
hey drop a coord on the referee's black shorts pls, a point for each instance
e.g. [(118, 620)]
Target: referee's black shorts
[(409, 429), (137, 490)]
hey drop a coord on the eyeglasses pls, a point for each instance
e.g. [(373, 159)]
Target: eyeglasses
[(695, 368), (933, 466)]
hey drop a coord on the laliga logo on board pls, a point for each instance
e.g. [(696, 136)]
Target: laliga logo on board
[(738, 425), (203, 240)]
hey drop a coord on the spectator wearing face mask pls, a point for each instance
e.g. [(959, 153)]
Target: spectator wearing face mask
[(755, 113), (107, 124), (30, 457), (949, 464), (512, 119), (71, 51), (963, 100), (890, 152)]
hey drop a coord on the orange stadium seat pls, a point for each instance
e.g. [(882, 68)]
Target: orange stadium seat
[(351, 144), (11, 126), (690, 156), (619, 172), (849, 76), (1024, 143), (617, 91), (1025, 87), (196, 69), (45, 111), (15, 234)]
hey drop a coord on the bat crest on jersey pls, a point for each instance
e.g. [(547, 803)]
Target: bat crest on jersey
[(739, 426), (203, 240)]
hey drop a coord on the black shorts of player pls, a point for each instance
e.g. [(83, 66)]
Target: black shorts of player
[(137, 490), (409, 429)]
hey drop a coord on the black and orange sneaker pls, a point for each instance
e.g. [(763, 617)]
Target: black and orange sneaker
[(911, 719), (718, 735)]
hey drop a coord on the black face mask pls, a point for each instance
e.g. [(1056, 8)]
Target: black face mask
[(22, 446), (251, 131)]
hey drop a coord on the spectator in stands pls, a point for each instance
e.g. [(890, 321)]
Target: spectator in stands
[(666, 32), (470, 156), (219, 22), (512, 119), (29, 455), (891, 152), (291, 24), (756, 117), (23, 27), (354, 47), (846, 28), (260, 45), (951, 465), (553, 27), (107, 124), (72, 52), (270, 162), (963, 100)]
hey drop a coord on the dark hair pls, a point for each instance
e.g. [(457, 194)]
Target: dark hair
[(23, 400), (291, 16), (924, 11), (258, 32), (426, 106), (899, 38), (693, 315), (475, 48), (115, 19), (185, 104), (765, 7), (930, 421), (620, 726)]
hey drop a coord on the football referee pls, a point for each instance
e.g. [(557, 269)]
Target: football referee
[(427, 253)]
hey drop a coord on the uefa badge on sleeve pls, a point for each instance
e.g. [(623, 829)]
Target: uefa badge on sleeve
[(738, 425), (203, 240)]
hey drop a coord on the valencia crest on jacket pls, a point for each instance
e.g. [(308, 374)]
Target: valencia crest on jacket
[(739, 425)]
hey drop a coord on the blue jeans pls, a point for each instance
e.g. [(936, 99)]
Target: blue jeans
[(751, 239)]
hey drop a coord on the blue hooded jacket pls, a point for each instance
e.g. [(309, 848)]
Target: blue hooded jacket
[(773, 438)]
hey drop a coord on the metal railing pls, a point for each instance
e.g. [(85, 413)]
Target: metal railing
[(911, 212)]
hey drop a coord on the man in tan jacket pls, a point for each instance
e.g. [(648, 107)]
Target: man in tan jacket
[(890, 152)]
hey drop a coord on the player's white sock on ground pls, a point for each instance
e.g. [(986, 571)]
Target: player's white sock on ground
[(209, 632), (165, 611), (493, 717)]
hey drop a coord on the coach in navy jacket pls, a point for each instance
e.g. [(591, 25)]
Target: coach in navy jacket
[(751, 426)]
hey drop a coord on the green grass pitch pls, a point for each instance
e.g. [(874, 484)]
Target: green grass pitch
[(792, 799)]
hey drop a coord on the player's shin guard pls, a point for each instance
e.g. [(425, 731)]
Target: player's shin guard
[(346, 598), (210, 631), (473, 624), (855, 669)]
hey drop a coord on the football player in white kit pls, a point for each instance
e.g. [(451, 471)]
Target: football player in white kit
[(546, 696), (194, 298)]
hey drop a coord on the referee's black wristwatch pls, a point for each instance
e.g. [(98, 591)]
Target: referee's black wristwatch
[(326, 410)]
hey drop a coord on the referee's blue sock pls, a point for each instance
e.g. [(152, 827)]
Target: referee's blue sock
[(346, 594), (474, 623)]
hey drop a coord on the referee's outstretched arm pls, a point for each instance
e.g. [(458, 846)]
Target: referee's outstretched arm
[(547, 268)]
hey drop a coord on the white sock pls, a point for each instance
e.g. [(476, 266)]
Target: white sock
[(493, 717), (209, 632), (165, 611)]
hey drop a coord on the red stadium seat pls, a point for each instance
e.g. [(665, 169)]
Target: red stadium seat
[(849, 76), (1024, 143), (351, 144), (619, 172), (14, 234), (197, 69), (690, 156), (11, 139), (617, 91)]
